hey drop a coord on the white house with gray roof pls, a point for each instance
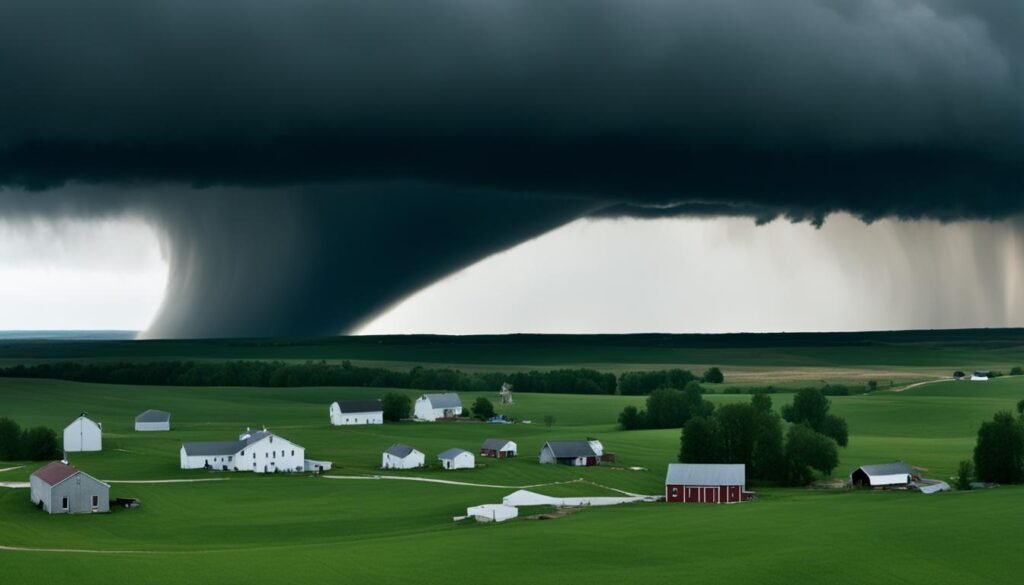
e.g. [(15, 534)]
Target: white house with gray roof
[(258, 451), (83, 434), (457, 459), (356, 412), (884, 475), (153, 420), (431, 407), (575, 453), (498, 448), (399, 456)]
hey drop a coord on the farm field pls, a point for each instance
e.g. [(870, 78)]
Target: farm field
[(325, 530)]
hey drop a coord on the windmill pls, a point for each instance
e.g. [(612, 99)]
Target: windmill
[(506, 393)]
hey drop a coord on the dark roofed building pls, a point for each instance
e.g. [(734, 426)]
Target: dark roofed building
[(356, 412), (577, 453), (498, 448), (401, 456), (153, 420), (60, 488)]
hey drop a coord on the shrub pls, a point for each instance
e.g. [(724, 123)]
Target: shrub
[(713, 376), (483, 409), (964, 475)]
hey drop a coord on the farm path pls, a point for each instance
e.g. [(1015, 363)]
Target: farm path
[(15, 484), (11, 468), (165, 480), (452, 482), (73, 550), (916, 384)]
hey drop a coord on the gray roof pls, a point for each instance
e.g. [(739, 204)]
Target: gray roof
[(451, 453), (151, 416), (399, 450), (360, 406), (213, 447), (886, 469), (446, 400), (495, 444), (255, 436), (706, 474), (564, 449)]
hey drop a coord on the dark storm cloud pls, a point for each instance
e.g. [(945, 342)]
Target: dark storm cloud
[(419, 127)]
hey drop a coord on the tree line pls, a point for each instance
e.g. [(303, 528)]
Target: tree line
[(34, 444), (285, 374)]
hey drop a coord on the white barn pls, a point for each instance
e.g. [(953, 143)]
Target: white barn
[(399, 456), (258, 451), (884, 475), (457, 459), (153, 420), (431, 407), (83, 434), (356, 412)]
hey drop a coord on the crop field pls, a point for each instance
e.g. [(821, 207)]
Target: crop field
[(350, 526)]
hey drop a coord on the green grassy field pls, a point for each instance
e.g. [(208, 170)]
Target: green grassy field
[(321, 530)]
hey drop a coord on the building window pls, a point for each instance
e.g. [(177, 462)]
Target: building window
[(64, 503), (293, 452), (95, 501), (231, 457), (243, 452), (675, 492)]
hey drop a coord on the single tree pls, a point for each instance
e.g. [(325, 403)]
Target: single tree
[(699, 442), (694, 404), (10, 439), (872, 385), (549, 420), (767, 459), (396, 406), (631, 419), (964, 475), (809, 406), (713, 376), (761, 402), (1016, 371), (999, 452), (808, 450), (835, 427), (736, 430), (482, 408)]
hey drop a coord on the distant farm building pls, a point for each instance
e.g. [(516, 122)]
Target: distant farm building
[(576, 453), (356, 412), (980, 376), (153, 420), (506, 393), (431, 407), (83, 434), (457, 459), (60, 488), (259, 451), (498, 448), (897, 474), (492, 512), (399, 456), (705, 483)]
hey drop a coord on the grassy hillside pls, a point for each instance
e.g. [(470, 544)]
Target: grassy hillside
[(322, 530)]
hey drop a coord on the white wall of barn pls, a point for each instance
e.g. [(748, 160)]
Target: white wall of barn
[(339, 418)]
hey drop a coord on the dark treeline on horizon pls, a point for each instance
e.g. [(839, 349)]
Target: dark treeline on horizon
[(283, 374)]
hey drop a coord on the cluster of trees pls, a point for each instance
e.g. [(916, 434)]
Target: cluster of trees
[(999, 452), (827, 389), (667, 408), (35, 444), (396, 406), (751, 433), (810, 407), (640, 383)]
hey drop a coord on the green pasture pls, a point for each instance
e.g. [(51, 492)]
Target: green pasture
[(300, 528)]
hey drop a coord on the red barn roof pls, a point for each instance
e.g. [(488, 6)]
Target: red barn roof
[(55, 472)]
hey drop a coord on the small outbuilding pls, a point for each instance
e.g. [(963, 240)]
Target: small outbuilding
[(981, 376), (60, 488), (431, 407), (83, 434), (399, 456), (498, 448), (492, 512), (705, 483), (356, 412), (897, 474), (457, 459), (575, 453), (153, 420)]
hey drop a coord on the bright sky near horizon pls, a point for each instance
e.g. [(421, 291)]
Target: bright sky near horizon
[(610, 276)]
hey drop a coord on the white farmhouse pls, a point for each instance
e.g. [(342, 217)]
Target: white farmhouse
[(153, 420), (356, 412), (258, 451), (431, 407), (457, 459), (83, 434), (399, 456)]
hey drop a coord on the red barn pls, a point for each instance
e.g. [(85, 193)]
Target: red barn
[(706, 483)]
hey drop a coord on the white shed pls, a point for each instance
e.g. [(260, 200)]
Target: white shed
[(884, 475), (492, 512), (457, 459), (83, 434), (356, 412), (431, 407), (498, 448), (153, 420), (399, 456)]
